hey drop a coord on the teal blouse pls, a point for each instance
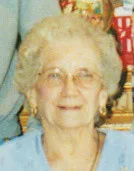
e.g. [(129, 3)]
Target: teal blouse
[(25, 153)]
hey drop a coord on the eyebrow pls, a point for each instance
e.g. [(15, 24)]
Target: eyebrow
[(61, 69), (52, 68)]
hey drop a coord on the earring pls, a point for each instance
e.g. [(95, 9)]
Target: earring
[(34, 110), (102, 112)]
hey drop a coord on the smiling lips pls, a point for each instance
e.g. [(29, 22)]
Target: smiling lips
[(69, 107)]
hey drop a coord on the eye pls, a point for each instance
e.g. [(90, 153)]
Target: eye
[(85, 74), (54, 76)]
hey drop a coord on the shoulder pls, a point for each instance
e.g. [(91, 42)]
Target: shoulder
[(20, 142), (120, 136), (20, 152), (118, 151), (118, 142), (120, 139)]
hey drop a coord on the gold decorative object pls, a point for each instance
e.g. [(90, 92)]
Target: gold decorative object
[(23, 118), (122, 111), (99, 12)]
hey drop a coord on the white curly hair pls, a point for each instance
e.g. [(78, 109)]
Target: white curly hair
[(64, 27)]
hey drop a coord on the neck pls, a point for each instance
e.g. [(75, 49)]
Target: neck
[(66, 142)]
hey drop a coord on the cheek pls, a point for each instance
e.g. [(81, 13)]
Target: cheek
[(91, 98), (42, 92), (46, 94)]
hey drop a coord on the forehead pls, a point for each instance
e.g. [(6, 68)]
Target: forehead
[(71, 55)]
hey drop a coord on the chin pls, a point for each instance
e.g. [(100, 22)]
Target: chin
[(71, 124)]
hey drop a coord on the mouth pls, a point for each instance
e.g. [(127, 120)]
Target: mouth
[(69, 107)]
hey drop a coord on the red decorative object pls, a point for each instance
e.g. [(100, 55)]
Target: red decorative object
[(64, 3), (123, 27)]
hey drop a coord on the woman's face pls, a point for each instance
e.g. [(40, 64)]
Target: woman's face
[(69, 90)]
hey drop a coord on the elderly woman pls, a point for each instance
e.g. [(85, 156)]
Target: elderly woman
[(67, 69)]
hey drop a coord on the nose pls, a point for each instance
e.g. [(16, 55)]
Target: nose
[(70, 88)]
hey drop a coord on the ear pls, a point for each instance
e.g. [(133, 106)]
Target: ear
[(103, 96), (31, 98)]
